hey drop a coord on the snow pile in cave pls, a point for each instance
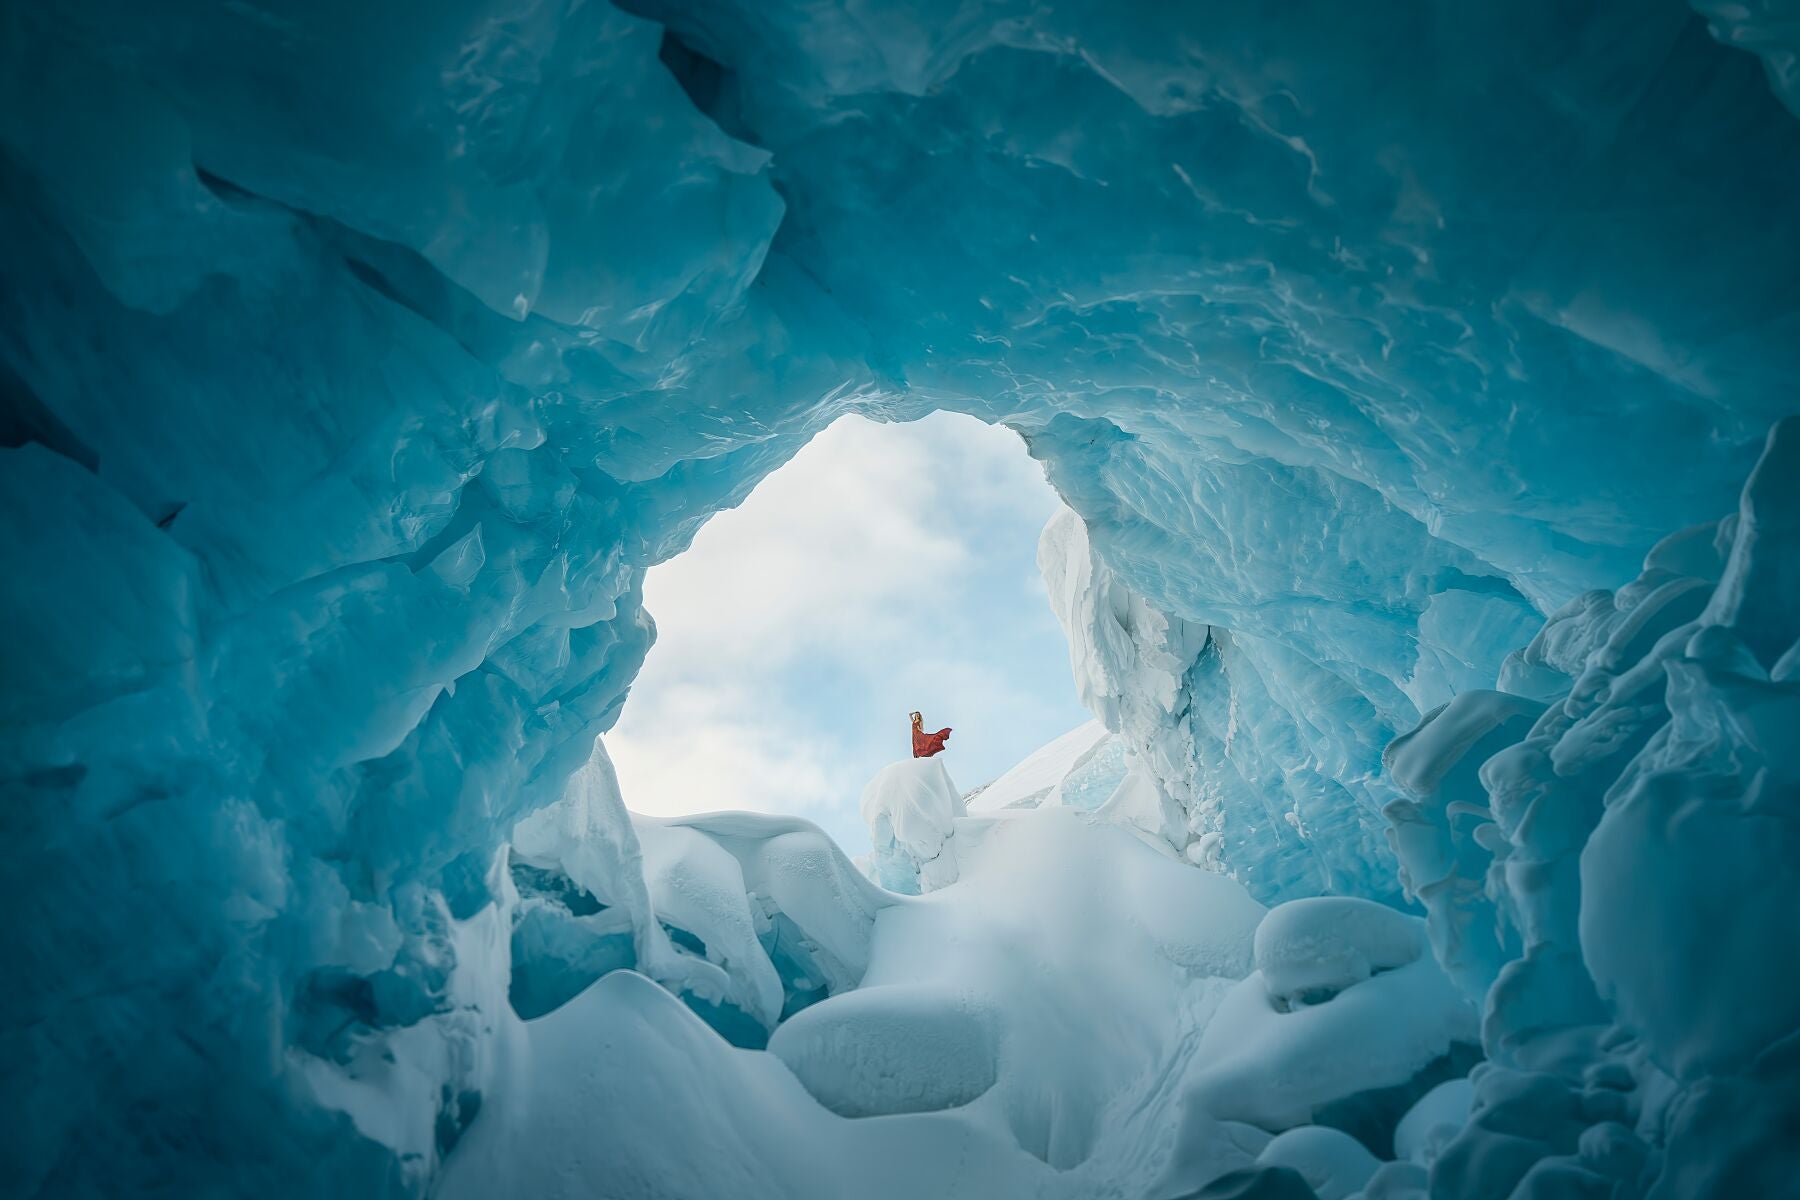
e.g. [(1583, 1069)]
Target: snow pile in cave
[(747, 918), (1072, 769), (911, 808), (1076, 1015)]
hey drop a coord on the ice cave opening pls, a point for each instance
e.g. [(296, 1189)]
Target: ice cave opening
[(886, 567), (1418, 389)]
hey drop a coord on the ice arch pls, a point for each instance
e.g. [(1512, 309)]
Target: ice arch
[(357, 359)]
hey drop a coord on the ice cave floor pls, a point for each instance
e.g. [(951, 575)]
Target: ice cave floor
[(1076, 1014)]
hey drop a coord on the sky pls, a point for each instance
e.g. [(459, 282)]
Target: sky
[(885, 568)]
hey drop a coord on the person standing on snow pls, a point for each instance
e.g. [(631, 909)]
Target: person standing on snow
[(927, 744)]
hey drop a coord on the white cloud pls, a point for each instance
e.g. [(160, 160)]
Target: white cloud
[(877, 571), (701, 748), (822, 549)]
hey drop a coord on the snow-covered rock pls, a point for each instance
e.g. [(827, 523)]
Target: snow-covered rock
[(911, 808), (1039, 1026), (747, 918), (1268, 1062)]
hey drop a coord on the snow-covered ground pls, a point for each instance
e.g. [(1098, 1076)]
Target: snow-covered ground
[(1071, 1014)]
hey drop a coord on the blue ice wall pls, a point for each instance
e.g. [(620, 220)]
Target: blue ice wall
[(356, 358), (1370, 343)]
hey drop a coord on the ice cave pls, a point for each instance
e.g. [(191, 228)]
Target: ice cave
[(1418, 381)]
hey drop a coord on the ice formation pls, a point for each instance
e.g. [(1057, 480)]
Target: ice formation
[(357, 360), (1564, 830), (911, 809)]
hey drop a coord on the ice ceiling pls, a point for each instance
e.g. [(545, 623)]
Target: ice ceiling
[(357, 358)]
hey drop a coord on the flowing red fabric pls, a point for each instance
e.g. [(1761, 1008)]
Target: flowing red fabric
[(927, 744)]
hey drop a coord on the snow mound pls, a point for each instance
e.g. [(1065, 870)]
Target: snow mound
[(1035, 781), (1076, 1014), (1429, 1125), (747, 918), (688, 1117), (1334, 1164), (1079, 950), (1307, 951), (1016, 1031), (1277, 1063), (894, 1049), (911, 808), (1607, 861)]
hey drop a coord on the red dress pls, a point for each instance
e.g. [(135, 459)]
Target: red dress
[(927, 744)]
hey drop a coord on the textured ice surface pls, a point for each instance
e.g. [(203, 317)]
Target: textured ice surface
[(356, 360), (1239, 754)]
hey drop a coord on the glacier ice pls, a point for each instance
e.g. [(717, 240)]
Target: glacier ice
[(1565, 833), (356, 361)]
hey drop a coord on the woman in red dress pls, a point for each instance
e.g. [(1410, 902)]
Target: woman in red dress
[(927, 744)]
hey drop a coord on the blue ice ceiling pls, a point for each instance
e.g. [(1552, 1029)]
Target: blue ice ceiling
[(356, 359)]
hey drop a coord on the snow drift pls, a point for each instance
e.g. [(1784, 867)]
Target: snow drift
[(1075, 1015)]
